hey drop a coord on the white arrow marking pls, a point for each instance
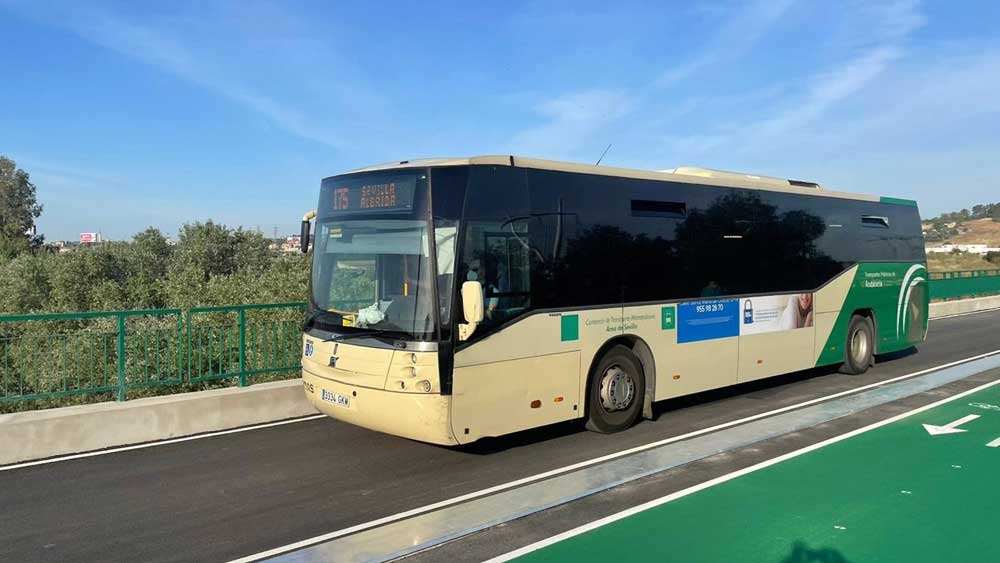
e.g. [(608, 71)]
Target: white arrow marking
[(994, 443), (951, 427)]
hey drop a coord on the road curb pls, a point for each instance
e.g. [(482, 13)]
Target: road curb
[(963, 306), (26, 436)]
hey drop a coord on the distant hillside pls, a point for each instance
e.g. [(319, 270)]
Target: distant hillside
[(979, 231), (981, 225)]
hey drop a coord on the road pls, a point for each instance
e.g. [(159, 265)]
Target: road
[(921, 488), (229, 496)]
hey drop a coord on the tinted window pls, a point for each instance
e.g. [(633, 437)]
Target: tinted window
[(576, 240)]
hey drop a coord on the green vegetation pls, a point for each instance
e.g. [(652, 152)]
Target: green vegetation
[(958, 261), (981, 211), (18, 210), (210, 265), (75, 360)]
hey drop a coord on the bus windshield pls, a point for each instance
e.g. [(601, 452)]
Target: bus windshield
[(375, 274)]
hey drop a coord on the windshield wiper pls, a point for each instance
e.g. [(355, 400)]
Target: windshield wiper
[(337, 337)]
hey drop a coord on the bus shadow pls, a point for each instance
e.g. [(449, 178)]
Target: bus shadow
[(486, 446), (911, 351), (801, 553), (492, 445)]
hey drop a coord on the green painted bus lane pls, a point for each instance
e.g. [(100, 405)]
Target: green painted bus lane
[(899, 492)]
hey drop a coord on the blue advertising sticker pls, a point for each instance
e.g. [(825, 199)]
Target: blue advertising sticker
[(708, 320)]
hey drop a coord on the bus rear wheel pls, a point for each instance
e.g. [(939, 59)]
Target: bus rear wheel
[(859, 353), (617, 388)]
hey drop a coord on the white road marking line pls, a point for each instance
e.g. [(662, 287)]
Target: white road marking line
[(994, 443), (727, 477), (159, 443), (964, 314), (573, 467), (950, 428)]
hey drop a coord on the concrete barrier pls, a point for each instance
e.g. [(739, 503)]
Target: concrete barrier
[(39, 434), (947, 308)]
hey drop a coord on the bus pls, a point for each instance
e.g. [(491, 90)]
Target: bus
[(462, 298)]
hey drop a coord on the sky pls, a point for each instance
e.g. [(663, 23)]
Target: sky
[(135, 114)]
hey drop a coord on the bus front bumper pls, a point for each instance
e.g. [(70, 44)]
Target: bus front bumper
[(423, 417)]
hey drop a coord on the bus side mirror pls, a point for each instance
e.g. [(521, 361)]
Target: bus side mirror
[(472, 308), (304, 236), (304, 233)]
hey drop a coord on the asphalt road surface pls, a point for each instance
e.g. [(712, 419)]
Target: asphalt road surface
[(229, 496)]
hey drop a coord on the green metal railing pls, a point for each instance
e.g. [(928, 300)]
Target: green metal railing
[(112, 352), (968, 283)]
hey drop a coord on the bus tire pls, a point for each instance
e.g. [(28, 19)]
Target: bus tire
[(615, 396), (859, 350)]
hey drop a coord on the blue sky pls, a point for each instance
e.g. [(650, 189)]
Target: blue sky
[(129, 114)]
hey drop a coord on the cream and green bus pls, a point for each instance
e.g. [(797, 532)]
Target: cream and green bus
[(455, 299)]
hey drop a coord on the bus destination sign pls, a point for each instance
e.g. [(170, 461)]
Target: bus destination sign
[(386, 195)]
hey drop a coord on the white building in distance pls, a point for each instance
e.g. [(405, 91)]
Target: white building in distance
[(980, 249)]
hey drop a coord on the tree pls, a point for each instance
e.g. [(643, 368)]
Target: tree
[(18, 210)]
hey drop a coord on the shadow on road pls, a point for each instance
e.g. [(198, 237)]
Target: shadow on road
[(801, 553)]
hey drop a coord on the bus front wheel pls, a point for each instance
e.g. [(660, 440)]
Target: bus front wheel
[(859, 352), (617, 386)]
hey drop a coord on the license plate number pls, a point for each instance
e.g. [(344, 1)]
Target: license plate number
[(336, 399)]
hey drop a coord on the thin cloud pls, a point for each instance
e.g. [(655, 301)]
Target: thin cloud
[(886, 30), (572, 121), (160, 49), (735, 37)]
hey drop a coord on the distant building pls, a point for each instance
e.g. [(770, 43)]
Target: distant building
[(62, 246), (293, 243), (980, 249)]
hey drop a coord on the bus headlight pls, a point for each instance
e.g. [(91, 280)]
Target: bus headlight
[(424, 386)]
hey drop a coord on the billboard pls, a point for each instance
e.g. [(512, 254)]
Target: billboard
[(707, 320), (88, 238), (724, 318), (773, 313)]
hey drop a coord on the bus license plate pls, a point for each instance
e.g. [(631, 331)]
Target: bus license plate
[(336, 398)]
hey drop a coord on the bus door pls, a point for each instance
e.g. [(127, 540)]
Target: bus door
[(518, 370)]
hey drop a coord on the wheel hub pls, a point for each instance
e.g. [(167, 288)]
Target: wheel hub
[(859, 347), (617, 389)]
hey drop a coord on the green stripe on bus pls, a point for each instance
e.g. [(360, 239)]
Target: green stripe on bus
[(898, 201)]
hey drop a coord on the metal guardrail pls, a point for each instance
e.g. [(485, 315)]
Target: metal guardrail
[(63, 354), (967, 283)]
